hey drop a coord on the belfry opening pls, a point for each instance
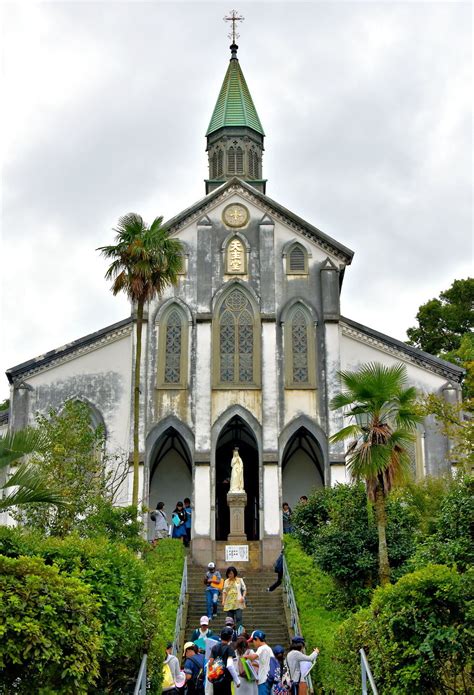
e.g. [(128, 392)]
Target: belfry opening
[(236, 433)]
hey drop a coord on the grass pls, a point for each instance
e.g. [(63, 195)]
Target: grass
[(313, 591)]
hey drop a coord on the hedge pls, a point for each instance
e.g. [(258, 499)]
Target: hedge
[(50, 635), (416, 634), (137, 597)]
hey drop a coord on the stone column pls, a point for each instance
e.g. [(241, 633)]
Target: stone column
[(237, 502)]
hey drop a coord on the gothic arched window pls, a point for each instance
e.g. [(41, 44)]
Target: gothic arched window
[(172, 350), (220, 163), (231, 160), (300, 349), (237, 345), (240, 160), (297, 260)]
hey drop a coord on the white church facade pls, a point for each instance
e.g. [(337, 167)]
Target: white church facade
[(244, 352)]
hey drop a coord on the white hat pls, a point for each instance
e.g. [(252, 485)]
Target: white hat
[(211, 566), (204, 620)]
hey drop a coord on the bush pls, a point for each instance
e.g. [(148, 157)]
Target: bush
[(313, 593), (50, 634), (416, 635), (118, 524), (136, 596), (450, 542)]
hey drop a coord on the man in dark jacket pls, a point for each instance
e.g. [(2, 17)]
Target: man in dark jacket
[(278, 568)]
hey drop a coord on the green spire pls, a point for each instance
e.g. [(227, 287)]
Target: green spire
[(234, 106)]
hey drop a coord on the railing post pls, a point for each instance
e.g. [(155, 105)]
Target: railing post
[(140, 685), (365, 673)]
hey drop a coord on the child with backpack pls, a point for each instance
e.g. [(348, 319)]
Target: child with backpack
[(193, 669), (220, 668)]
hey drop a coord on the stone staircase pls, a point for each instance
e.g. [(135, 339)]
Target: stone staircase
[(265, 611)]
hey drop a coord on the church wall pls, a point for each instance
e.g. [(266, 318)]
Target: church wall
[(101, 377), (354, 353)]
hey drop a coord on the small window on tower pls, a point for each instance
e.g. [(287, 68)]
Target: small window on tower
[(297, 261), (214, 165), (220, 163), (231, 160)]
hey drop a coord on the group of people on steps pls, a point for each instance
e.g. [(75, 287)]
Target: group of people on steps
[(214, 660)]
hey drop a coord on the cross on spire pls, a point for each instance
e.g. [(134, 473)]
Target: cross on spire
[(234, 17)]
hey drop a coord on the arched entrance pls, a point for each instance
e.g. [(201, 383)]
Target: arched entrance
[(237, 433), (302, 466), (170, 472)]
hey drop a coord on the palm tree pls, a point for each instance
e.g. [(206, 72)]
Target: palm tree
[(384, 417), (145, 261), (30, 483)]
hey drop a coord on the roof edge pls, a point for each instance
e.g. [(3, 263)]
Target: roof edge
[(457, 372), (280, 209), (13, 372)]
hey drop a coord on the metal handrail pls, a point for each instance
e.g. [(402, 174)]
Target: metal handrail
[(366, 673), (178, 626), (140, 685), (293, 608)]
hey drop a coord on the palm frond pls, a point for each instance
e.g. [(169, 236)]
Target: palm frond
[(14, 445), (346, 433), (32, 487)]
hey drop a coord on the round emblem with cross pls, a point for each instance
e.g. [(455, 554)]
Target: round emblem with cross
[(235, 215)]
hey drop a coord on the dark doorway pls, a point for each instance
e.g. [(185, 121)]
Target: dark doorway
[(302, 466), (170, 473), (237, 433)]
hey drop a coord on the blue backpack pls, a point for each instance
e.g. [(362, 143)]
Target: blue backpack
[(274, 672)]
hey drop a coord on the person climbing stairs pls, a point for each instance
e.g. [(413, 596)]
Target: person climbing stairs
[(265, 610)]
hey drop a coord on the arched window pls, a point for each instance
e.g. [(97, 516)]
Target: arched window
[(231, 160), (297, 260), (220, 163), (172, 350), (300, 349), (240, 160), (237, 341)]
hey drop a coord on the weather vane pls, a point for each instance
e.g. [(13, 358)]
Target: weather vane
[(234, 17)]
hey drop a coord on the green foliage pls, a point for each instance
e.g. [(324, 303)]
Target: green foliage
[(165, 569), (50, 634), (4, 405), (442, 322), (416, 636), (118, 524), (71, 459), (138, 598), (313, 593), (27, 485), (445, 328), (450, 542), (336, 527)]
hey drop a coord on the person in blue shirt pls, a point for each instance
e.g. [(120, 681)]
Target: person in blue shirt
[(193, 669), (188, 524)]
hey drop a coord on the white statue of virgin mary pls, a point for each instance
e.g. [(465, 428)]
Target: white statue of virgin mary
[(237, 475)]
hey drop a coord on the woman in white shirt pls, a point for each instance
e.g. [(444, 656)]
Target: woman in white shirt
[(294, 658)]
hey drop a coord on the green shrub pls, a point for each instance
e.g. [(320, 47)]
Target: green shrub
[(164, 565), (49, 631), (138, 597), (450, 542), (313, 593), (416, 635), (118, 524)]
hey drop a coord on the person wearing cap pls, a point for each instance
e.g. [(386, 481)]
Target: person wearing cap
[(262, 655), (203, 631), (193, 666), (229, 623), (294, 658), (171, 662), (213, 583), (225, 651)]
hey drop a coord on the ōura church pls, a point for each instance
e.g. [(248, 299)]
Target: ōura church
[(244, 351)]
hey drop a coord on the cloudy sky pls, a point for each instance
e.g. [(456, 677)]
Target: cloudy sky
[(367, 110)]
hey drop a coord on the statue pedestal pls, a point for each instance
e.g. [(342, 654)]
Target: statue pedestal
[(237, 502)]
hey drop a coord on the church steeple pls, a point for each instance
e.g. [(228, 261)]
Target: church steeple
[(235, 134)]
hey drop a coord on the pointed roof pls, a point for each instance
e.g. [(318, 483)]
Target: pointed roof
[(234, 106)]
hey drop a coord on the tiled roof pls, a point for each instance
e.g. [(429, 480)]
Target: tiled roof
[(234, 106)]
